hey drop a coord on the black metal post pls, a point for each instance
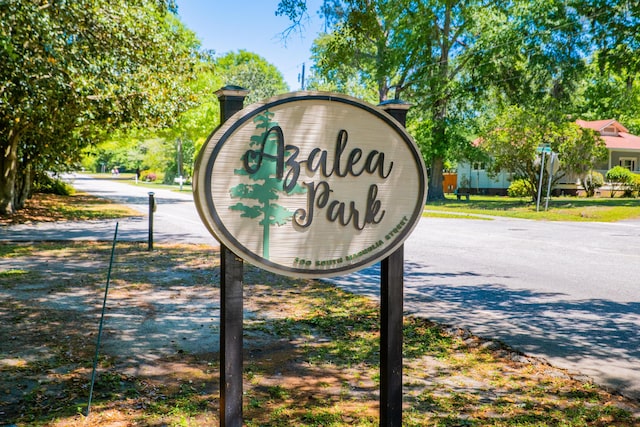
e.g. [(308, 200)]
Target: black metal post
[(231, 306), (391, 315), (152, 209)]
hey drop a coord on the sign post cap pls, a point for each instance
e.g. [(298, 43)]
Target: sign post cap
[(232, 90), (395, 104)]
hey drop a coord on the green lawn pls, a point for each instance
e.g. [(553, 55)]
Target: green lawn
[(129, 178), (560, 208)]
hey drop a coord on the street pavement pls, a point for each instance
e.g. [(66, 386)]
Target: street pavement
[(175, 218), (564, 291)]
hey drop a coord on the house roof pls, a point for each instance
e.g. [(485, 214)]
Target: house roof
[(600, 125), (622, 140)]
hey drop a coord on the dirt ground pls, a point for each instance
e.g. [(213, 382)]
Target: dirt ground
[(160, 338), (310, 350)]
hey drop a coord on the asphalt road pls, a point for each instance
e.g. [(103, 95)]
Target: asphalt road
[(567, 292)]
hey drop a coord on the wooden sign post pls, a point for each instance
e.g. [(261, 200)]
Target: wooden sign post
[(231, 300), (391, 316), (310, 184)]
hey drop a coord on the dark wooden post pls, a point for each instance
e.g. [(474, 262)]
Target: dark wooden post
[(231, 305), (391, 314)]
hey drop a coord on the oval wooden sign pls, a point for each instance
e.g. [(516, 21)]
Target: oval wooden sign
[(310, 184)]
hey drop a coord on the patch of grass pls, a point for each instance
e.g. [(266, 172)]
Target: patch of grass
[(560, 208), (12, 273), (76, 207), (432, 214), (129, 178), (16, 250)]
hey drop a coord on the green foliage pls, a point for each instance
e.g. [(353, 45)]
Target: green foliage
[(513, 137), (72, 71), (635, 185), (332, 74), (610, 93), (45, 183), (620, 175), (619, 178), (520, 188), (591, 181), (171, 152), (444, 57), (252, 72)]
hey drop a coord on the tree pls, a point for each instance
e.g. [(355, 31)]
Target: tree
[(444, 56), (342, 77), (613, 27), (73, 71), (512, 140), (180, 142), (610, 93), (612, 90), (263, 170), (252, 72)]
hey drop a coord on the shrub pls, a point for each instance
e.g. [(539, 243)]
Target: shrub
[(619, 178), (591, 182), (519, 188), (150, 176), (45, 183), (635, 185)]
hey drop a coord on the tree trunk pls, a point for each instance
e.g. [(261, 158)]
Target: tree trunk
[(22, 186), (440, 144), (8, 171), (435, 180)]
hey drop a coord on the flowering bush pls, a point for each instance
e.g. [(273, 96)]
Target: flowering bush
[(148, 176), (519, 188)]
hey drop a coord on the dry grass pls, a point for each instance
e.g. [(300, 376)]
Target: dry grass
[(76, 207)]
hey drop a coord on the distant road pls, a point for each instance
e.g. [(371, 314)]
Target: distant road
[(565, 291), (175, 218)]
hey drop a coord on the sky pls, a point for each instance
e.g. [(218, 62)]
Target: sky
[(232, 25)]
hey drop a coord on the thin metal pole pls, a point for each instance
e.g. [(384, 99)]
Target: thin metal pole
[(540, 183), (104, 306), (152, 209), (551, 161)]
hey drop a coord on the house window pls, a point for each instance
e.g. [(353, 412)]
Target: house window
[(478, 166), (610, 130), (628, 162)]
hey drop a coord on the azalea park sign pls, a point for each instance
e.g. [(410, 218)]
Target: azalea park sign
[(310, 184)]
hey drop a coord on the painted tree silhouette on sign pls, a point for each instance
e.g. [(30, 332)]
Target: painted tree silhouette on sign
[(263, 164)]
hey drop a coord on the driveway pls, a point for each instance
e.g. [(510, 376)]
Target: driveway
[(567, 292)]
